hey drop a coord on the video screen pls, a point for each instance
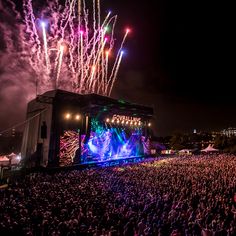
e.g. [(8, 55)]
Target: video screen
[(104, 143)]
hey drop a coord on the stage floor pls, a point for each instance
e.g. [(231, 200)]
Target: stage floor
[(113, 162), (97, 164)]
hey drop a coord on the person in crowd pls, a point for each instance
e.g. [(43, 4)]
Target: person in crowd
[(187, 196)]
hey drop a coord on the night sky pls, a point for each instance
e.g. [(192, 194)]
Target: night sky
[(179, 59)]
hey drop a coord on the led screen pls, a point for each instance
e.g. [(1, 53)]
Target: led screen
[(105, 142)]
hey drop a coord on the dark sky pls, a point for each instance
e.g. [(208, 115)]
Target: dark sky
[(179, 58), (180, 61)]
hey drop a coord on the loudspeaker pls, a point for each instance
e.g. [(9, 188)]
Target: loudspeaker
[(44, 130), (87, 128), (39, 154), (146, 133)]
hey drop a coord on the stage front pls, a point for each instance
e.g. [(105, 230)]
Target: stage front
[(65, 128)]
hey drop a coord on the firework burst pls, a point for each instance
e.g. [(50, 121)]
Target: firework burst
[(68, 46)]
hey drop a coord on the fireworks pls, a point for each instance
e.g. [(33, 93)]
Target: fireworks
[(69, 46)]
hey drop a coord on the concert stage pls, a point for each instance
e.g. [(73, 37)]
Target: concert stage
[(68, 129)]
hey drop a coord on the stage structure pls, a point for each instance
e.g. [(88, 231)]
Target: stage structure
[(65, 128)]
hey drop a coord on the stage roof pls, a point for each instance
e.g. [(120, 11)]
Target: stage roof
[(93, 103)]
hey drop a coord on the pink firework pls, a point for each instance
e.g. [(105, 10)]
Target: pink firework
[(68, 46)]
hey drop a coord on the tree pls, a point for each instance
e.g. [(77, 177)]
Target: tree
[(221, 142), (178, 141)]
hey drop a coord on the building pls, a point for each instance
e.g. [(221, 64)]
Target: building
[(229, 132)]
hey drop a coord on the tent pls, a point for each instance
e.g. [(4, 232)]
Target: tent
[(15, 159), (12, 155), (185, 151), (4, 161), (210, 149)]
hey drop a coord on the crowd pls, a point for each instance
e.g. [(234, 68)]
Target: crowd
[(187, 196)]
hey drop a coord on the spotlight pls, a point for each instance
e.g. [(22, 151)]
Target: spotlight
[(77, 117), (149, 124), (67, 116), (122, 122), (135, 123), (118, 121), (131, 122), (107, 120), (139, 123), (127, 122), (112, 121)]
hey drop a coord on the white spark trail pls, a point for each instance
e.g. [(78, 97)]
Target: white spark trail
[(67, 43)]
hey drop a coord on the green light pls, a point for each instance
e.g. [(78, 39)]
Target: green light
[(96, 126), (121, 101)]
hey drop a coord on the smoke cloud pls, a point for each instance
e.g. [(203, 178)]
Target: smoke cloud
[(17, 83)]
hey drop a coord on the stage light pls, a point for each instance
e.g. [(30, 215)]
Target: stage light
[(67, 116), (77, 117), (122, 122), (139, 123), (127, 122), (112, 121), (149, 124), (117, 121), (131, 122), (107, 120), (135, 123)]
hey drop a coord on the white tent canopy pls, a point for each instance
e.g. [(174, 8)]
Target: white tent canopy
[(210, 149), (185, 151), (4, 161), (11, 159), (12, 155)]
